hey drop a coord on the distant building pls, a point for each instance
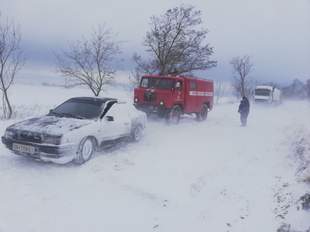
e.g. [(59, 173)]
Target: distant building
[(308, 88)]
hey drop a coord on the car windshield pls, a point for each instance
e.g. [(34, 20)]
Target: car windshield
[(159, 83), (79, 108), (262, 92)]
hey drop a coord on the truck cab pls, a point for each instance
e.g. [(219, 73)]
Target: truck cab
[(171, 96)]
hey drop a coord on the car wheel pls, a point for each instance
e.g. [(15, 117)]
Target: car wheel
[(85, 150), (174, 115), (203, 114), (137, 133)]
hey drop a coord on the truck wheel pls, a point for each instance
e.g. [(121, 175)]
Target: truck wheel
[(85, 150), (136, 133), (203, 114), (174, 115)]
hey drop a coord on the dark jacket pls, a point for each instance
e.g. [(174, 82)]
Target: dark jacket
[(244, 107)]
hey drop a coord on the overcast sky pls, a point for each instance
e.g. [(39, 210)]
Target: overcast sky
[(275, 33)]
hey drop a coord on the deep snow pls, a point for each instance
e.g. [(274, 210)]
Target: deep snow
[(209, 176)]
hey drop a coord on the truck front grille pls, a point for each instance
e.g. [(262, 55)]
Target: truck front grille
[(149, 97)]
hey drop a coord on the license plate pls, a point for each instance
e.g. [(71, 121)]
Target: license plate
[(23, 148)]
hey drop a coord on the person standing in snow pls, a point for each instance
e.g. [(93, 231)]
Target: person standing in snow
[(244, 110)]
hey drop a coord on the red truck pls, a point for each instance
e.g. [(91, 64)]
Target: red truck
[(171, 96)]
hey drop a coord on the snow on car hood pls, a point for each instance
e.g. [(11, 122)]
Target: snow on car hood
[(51, 125)]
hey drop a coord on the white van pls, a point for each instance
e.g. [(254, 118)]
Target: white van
[(267, 94)]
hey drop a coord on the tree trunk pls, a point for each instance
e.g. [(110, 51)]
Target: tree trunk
[(8, 104), (4, 111), (242, 88), (97, 92)]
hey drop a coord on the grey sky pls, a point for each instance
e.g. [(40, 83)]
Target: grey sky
[(275, 33)]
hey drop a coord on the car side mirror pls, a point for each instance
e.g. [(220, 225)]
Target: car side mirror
[(109, 118)]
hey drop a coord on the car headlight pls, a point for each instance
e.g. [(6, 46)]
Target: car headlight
[(51, 139), (161, 103), (136, 100), (9, 134)]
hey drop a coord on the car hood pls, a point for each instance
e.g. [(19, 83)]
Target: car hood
[(51, 125)]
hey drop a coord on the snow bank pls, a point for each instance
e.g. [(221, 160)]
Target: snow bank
[(33, 100), (291, 193), (209, 176)]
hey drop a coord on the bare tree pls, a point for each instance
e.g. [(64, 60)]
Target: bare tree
[(89, 61), (220, 89), (137, 73), (176, 43), (242, 67), (10, 61), (135, 78)]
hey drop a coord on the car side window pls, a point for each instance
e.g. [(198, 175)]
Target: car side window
[(107, 108), (117, 110), (192, 85)]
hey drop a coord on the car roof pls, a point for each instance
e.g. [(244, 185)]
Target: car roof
[(94, 99)]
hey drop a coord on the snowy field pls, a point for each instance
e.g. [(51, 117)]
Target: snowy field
[(212, 176)]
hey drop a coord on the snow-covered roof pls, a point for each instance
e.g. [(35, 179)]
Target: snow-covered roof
[(264, 87)]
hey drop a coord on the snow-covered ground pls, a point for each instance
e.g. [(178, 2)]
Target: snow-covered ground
[(209, 176)]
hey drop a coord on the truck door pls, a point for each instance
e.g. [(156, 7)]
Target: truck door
[(191, 97), (178, 92)]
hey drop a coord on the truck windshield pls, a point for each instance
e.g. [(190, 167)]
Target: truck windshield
[(159, 83), (262, 92)]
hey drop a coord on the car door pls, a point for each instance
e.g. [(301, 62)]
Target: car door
[(116, 122)]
